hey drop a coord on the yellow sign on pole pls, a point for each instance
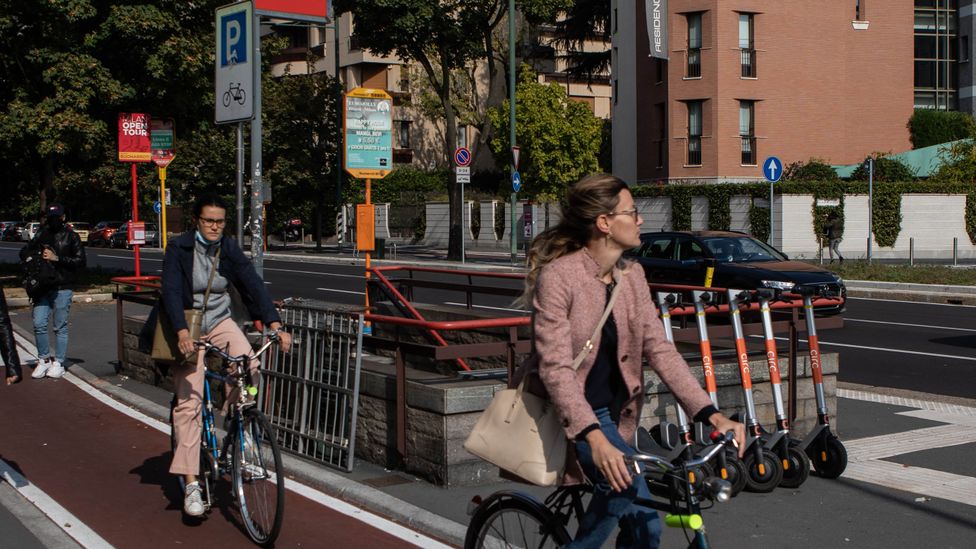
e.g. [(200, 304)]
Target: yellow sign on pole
[(365, 237), (368, 133)]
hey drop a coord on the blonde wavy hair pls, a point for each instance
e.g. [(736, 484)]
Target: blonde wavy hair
[(587, 199)]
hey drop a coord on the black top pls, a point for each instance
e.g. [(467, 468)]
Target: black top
[(604, 385)]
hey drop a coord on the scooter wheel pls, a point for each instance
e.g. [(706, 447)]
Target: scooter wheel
[(765, 478), (736, 471), (828, 456), (799, 469)]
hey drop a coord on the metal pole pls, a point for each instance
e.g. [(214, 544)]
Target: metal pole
[(135, 214), (911, 251), (870, 204), (162, 207), (511, 115), (339, 131), (464, 228), (240, 183), (772, 225), (257, 185)]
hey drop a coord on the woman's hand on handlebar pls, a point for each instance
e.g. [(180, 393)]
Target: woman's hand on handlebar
[(283, 337), (185, 344), (609, 460), (723, 424)]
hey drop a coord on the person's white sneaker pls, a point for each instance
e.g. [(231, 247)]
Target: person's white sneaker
[(56, 370), (40, 370), (193, 501)]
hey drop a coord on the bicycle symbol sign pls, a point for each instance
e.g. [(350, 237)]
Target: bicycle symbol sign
[(234, 92), (234, 69)]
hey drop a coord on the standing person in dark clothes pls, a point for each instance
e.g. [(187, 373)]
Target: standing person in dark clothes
[(833, 232), (8, 345)]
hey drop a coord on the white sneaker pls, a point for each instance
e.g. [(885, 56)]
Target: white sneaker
[(40, 370), (193, 501), (56, 370)]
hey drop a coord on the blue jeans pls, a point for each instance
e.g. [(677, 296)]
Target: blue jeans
[(60, 301), (639, 526)]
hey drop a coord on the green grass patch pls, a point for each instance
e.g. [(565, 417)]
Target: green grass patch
[(918, 274)]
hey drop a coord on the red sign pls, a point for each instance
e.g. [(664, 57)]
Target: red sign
[(134, 142), (303, 10)]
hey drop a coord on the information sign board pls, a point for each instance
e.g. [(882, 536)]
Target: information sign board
[(134, 142), (368, 132), (234, 71)]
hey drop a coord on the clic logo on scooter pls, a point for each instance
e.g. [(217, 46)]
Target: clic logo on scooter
[(707, 365), (744, 363), (771, 361)]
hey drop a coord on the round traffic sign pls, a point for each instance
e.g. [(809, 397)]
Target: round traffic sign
[(516, 182), (157, 207), (462, 156), (773, 169)]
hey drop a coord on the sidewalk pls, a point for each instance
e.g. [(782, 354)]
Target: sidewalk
[(866, 512)]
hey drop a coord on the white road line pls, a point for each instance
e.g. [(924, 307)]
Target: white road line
[(487, 307), (884, 349), (321, 498), (902, 301), (952, 409), (336, 275), (341, 291), (916, 480), (58, 514), (909, 325)]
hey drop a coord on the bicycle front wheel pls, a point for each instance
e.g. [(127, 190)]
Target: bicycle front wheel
[(513, 523), (259, 480)]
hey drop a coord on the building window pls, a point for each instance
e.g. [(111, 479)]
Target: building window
[(963, 49), (403, 134), (747, 131), (694, 44), (747, 56), (859, 11), (662, 135), (937, 54), (660, 69), (694, 133)]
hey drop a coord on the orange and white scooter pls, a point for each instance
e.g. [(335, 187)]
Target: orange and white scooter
[(796, 465), (825, 450), (764, 470)]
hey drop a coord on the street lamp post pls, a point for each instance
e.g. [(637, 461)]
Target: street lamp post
[(511, 116), (870, 164)]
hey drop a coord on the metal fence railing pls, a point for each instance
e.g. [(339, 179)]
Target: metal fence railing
[(311, 395)]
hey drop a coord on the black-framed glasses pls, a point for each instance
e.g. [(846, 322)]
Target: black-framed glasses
[(632, 213), (213, 222)]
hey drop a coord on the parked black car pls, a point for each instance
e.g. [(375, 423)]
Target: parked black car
[(120, 237), (741, 262)]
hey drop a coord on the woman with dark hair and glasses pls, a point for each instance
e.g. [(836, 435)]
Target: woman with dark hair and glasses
[(187, 269), (573, 268)]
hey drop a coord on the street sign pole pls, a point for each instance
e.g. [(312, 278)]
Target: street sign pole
[(240, 184), (772, 169), (257, 183), (162, 208), (870, 204), (511, 114)]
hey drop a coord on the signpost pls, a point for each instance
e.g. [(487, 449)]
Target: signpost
[(368, 154), (134, 146), (869, 166), (234, 71), (462, 157), (773, 170), (161, 137)]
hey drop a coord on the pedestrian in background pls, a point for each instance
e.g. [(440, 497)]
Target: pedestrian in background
[(62, 247), (832, 230), (8, 345), (573, 268)]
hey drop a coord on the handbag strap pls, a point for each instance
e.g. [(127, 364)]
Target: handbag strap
[(213, 271), (599, 326)]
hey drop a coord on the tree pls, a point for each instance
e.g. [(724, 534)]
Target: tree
[(560, 139), (814, 169), (931, 127), (886, 168)]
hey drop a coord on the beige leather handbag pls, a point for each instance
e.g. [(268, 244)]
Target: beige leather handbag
[(165, 341)]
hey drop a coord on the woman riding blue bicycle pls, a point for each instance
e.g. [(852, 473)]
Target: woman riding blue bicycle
[(188, 271), (573, 267)]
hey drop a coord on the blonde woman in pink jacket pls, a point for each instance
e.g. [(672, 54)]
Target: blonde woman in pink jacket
[(573, 267)]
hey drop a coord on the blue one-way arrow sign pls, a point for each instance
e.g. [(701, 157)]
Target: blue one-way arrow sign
[(773, 169), (516, 182)]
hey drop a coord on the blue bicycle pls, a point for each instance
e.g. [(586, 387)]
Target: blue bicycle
[(249, 452)]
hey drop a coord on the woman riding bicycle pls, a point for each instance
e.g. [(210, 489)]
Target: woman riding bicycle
[(573, 268), (187, 269)]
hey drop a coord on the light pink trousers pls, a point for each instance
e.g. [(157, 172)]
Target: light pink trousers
[(189, 379)]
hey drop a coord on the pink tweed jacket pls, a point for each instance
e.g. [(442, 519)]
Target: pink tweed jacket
[(568, 302)]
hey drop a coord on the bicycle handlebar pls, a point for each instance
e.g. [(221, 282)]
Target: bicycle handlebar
[(721, 441), (210, 348)]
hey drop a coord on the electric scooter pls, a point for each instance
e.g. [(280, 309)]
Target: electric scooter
[(825, 450), (764, 470), (730, 467), (796, 464)]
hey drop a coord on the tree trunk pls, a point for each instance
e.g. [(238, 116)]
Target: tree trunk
[(454, 243)]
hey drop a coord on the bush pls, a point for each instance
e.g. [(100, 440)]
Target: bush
[(885, 169), (930, 127), (812, 170)]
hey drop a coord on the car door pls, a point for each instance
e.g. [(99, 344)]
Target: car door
[(689, 263), (656, 255)]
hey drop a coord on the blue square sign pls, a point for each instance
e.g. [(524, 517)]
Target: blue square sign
[(233, 37)]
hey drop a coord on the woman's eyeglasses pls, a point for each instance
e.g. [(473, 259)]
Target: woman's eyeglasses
[(632, 213), (213, 222)]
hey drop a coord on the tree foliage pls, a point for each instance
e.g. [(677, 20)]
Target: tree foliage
[(559, 138), (886, 168), (814, 169), (929, 127)]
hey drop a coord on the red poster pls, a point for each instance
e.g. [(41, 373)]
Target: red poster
[(297, 9), (134, 142)]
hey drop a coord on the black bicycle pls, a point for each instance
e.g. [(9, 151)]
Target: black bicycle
[(249, 452), (511, 518)]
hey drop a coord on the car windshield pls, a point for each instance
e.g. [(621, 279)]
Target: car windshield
[(740, 249)]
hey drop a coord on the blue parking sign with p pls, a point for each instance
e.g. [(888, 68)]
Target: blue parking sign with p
[(233, 36)]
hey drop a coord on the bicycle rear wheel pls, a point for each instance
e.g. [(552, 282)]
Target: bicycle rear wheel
[(259, 481), (514, 523)]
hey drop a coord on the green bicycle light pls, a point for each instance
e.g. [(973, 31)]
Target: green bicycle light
[(253, 391)]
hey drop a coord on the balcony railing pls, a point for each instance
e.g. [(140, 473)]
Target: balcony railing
[(748, 150), (748, 60), (694, 62), (694, 150)]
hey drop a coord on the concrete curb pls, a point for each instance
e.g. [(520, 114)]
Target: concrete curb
[(76, 298), (902, 291)]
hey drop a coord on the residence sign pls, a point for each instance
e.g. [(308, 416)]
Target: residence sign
[(368, 132), (134, 141)]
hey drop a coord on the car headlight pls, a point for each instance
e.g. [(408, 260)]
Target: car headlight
[(778, 284)]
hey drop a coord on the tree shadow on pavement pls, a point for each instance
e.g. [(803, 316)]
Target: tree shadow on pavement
[(967, 341)]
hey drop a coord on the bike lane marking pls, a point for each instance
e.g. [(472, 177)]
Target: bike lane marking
[(369, 520), (867, 455)]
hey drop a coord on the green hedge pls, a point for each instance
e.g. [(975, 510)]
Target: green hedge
[(886, 219)]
